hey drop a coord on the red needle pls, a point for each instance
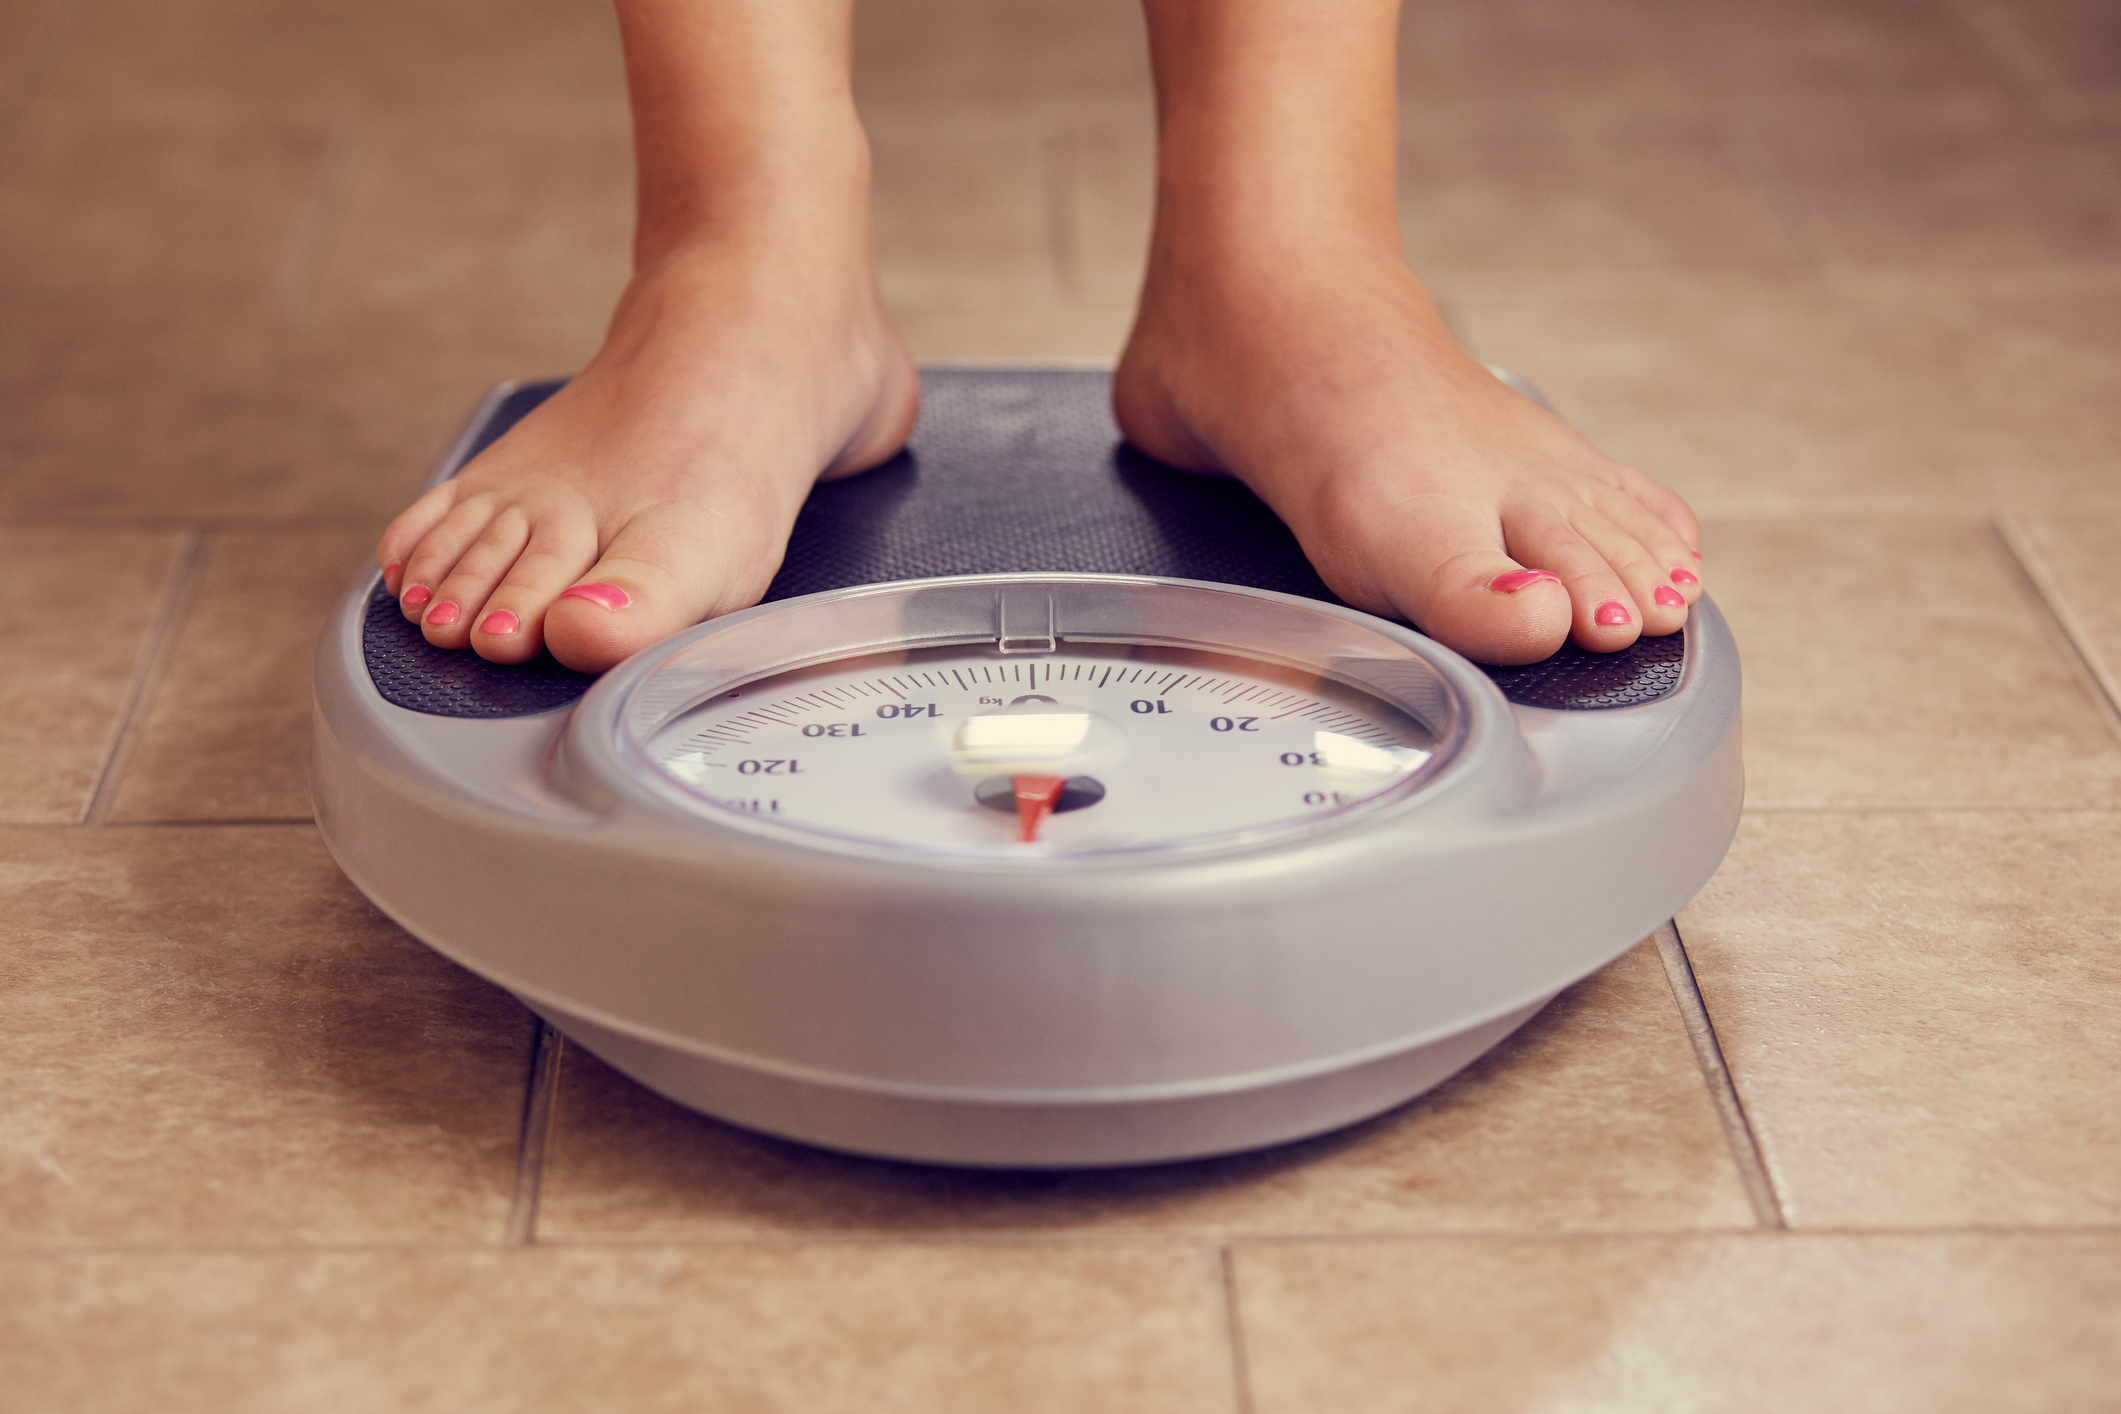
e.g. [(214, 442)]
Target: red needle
[(1035, 799)]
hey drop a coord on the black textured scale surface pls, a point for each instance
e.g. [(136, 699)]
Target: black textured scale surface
[(1009, 471), (411, 672)]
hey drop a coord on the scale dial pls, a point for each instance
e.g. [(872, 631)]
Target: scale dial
[(1026, 747)]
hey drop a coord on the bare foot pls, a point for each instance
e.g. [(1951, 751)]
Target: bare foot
[(749, 356), (658, 487), (1419, 485)]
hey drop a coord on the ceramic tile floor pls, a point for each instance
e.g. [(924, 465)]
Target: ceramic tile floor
[(1845, 272)]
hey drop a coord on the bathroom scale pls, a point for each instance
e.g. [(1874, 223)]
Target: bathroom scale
[(1048, 812)]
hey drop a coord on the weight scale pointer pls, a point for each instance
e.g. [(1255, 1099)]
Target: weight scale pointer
[(1026, 744), (758, 867)]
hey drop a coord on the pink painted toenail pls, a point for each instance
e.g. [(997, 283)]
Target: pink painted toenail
[(499, 621), (606, 596), (1670, 598), (392, 568), (1695, 553), (441, 615), (416, 596), (1611, 613), (1685, 577), (1513, 580)]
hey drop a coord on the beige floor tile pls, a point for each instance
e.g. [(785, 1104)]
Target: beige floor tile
[(1029, 317), (214, 1041), (452, 255), (158, 420), (484, 224), (1919, 1012), (34, 35), (1593, 1116), (2067, 47), (803, 1330), (1584, 185), (922, 51), (147, 260), (1543, 49), (71, 634), (278, 55), (1746, 401), (963, 189), (1986, 1324), (195, 211), (1956, 183), (227, 734), (1105, 182), (1902, 663), (2076, 555)]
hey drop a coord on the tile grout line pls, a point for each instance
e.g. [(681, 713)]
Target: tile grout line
[(1708, 1051), (177, 593), (1233, 1325), (2018, 546), (1016, 1240), (540, 1094)]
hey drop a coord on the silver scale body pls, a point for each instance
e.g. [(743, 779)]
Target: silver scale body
[(1102, 1009)]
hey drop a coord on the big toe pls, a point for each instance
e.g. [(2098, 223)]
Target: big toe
[(662, 573), (1446, 570), (1494, 610)]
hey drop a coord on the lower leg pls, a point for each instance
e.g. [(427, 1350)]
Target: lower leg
[(1282, 338), (748, 356)]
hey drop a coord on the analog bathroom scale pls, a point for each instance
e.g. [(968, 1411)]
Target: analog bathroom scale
[(1048, 812)]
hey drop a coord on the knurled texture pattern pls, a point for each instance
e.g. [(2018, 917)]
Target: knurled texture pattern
[(1008, 471), (411, 672), (1574, 680)]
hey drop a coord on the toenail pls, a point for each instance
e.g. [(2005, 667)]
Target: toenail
[(1611, 613), (499, 621), (444, 614), (608, 596), (392, 568), (1695, 553), (1670, 598), (1511, 581), (416, 596), (1685, 577)]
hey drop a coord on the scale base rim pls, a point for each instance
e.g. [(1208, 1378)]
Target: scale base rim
[(1024, 1133)]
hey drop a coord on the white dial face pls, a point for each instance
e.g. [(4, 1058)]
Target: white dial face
[(1086, 750)]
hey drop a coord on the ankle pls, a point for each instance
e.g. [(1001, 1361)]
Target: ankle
[(800, 190)]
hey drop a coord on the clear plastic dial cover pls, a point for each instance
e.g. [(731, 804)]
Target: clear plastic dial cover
[(1173, 715)]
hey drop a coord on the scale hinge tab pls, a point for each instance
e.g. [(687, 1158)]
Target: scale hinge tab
[(1023, 621)]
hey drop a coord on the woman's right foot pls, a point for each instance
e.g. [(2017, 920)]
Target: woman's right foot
[(749, 357), (658, 487)]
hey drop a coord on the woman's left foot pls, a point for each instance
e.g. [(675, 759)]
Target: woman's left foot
[(1419, 484)]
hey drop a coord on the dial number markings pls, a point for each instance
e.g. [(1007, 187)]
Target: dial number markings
[(1183, 744)]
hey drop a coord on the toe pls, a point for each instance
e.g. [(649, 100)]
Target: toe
[(1662, 607), (653, 579), (460, 599), (1670, 509), (510, 628), (436, 555), (1605, 615), (1459, 585), (403, 536), (1660, 567)]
